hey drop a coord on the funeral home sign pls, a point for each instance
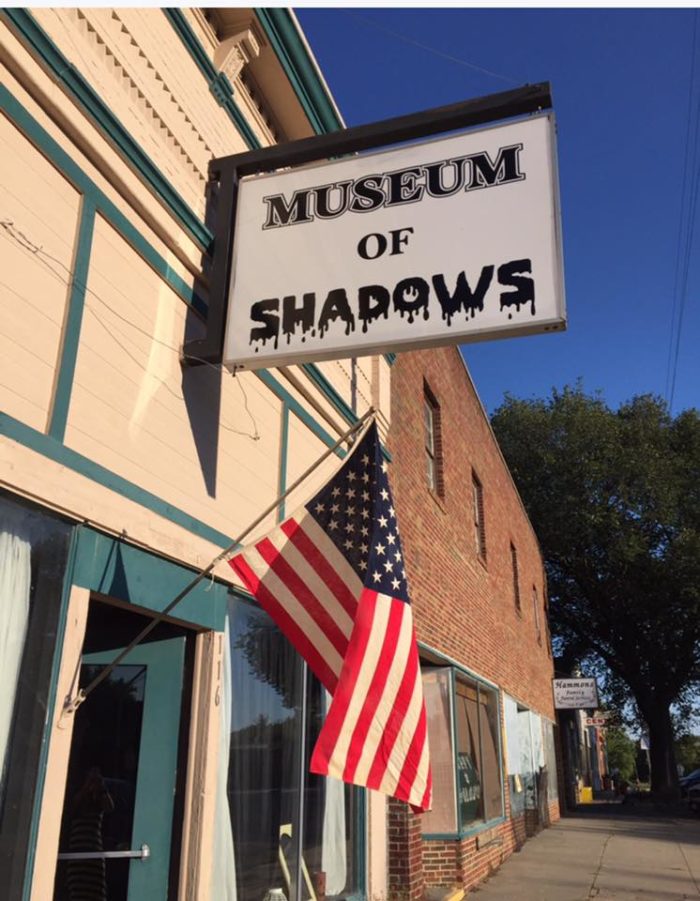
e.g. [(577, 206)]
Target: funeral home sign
[(441, 242)]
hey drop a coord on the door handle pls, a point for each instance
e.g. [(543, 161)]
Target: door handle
[(143, 852)]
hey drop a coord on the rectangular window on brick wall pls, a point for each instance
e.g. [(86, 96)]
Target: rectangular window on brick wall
[(516, 577), (478, 517), (432, 441), (464, 735), (536, 610)]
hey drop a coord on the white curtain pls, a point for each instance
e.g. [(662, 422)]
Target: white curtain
[(334, 850), (15, 586), (224, 865)]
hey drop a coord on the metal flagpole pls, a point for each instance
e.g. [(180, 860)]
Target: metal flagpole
[(72, 704)]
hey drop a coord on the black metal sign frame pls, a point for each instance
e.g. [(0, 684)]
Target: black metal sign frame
[(225, 174)]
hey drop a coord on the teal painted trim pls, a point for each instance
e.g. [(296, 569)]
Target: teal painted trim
[(390, 358), (285, 39), (325, 387), (465, 833), (48, 722), (55, 153), (120, 570), (295, 407), (74, 321), (219, 85), (284, 448), (54, 450), (329, 392), (450, 661), (92, 104)]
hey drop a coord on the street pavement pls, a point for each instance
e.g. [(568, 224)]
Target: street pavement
[(604, 852)]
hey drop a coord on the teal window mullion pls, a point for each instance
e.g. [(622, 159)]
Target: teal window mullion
[(73, 322)]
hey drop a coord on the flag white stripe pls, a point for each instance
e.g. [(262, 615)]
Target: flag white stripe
[(310, 577), (421, 781), (335, 559), (364, 680), (295, 608), (404, 647), (397, 759)]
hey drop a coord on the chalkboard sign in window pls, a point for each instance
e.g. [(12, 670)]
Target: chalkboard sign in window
[(471, 807)]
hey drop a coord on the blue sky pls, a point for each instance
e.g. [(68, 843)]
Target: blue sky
[(620, 81)]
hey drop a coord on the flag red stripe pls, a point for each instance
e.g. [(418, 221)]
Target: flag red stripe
[(303, 594), (285, 622), (412, 759), (335, 719), (295, 532), (374, 695), (393, 726), (428, 796)]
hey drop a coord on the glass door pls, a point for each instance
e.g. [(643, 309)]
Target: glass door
[(121, 787)]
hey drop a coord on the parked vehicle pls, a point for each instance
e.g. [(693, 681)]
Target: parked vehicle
[(694, 798), (689, 781)]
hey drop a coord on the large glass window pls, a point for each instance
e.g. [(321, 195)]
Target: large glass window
[(33, 554), (464, 735), (531, 759), (292, 830)]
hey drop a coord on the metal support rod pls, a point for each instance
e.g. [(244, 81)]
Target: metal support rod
[(72, 704), (441, 119)]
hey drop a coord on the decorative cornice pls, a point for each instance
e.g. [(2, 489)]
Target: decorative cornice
[(285, 39), (79, 89)]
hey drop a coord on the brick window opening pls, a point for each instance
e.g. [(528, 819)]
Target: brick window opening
[(536, 608), (478, 517), (516, 578), (432, 442)]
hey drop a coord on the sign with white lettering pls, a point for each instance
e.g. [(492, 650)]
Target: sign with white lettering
[(441, 242), (575, 693)]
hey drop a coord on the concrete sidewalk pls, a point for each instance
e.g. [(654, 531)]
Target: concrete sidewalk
[(605, 852)]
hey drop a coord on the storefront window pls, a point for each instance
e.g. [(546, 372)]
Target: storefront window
[(437, 687), (467, 782), (532, 767), (33, 554), (277, 711)]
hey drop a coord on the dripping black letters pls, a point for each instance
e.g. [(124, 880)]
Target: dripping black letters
[(412, 298)]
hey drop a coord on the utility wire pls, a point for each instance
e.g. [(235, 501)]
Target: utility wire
[(429, 49), (691, 169)]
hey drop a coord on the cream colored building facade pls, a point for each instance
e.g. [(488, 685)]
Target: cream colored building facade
[(124, 472)]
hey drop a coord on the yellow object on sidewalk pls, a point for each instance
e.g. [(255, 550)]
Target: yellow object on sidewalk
[(586, 794)]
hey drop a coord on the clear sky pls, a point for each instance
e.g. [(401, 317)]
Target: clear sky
[(620, 81)]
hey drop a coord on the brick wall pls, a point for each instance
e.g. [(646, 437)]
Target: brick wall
[(464, 606)]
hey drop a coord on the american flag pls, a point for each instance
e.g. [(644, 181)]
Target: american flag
[(332, 577)]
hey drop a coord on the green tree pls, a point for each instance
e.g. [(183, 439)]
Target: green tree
[(614, 496), (621, 752)]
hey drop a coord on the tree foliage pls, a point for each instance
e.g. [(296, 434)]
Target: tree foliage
[(621, 753), (614, 496)]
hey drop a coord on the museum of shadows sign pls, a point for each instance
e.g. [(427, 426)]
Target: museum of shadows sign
[(445, 241)]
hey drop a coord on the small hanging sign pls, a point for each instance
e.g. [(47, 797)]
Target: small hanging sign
[(440, 242)]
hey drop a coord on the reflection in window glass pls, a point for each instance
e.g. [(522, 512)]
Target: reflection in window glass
[(275, 723), (436, 692), (527, 763), (264, 769), (490, 763), (469, 782), (515, 780), (330, 812), (33, 553)]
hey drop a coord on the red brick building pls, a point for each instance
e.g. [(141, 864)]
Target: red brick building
[(479, 595)]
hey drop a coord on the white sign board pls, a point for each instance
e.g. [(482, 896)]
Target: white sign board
[(575, 693), (441, 242)]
